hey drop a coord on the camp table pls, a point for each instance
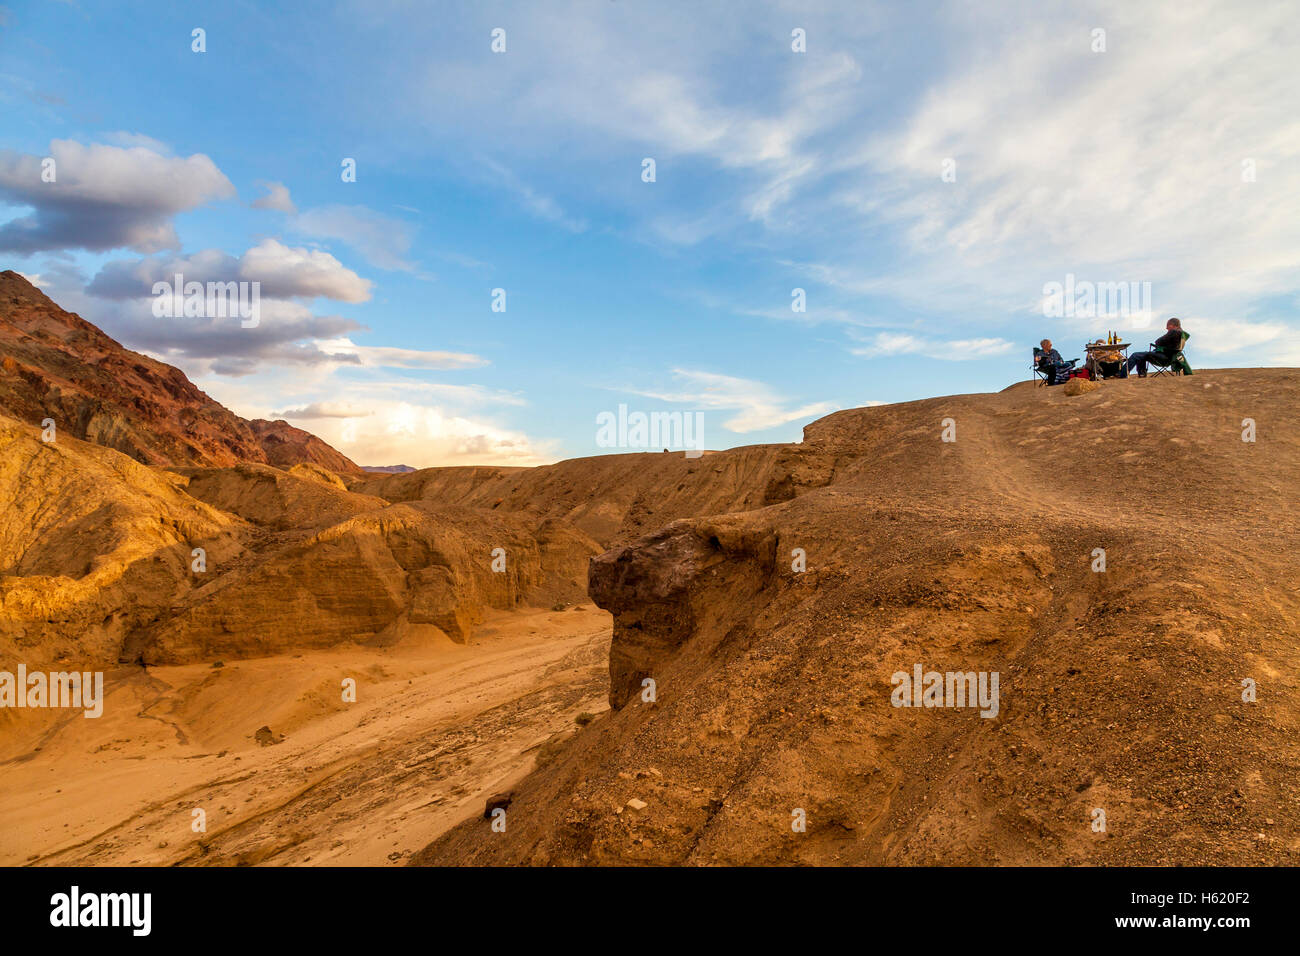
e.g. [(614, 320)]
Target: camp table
[(1120, 347)]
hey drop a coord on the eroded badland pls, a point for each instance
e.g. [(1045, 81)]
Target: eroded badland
[(766, 594)]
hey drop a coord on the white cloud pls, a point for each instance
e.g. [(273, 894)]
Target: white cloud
[(428, 435), (283, 271), (103, 197), (385, 242), (288, 271), (324, 410), (471, 396), (537, 204), (663, 83), (1118, 166), (1124, 165), (377, 356), (885, 344), (130, 140), (276, 198), (759, 407), (387, 423)]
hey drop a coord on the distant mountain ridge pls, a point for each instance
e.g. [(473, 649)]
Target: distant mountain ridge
[(54, 364), (387, 469)]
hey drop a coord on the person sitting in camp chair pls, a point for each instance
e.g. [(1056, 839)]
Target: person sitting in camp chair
[(1166, 352), (1049, 363)]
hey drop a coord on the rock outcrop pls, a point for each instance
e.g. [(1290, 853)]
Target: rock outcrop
[(686, 582), (104, 560), (372, 578), (93, 546)]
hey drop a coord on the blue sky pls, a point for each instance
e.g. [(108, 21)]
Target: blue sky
[(1165, 151)]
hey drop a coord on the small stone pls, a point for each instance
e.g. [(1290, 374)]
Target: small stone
[(635, 804)]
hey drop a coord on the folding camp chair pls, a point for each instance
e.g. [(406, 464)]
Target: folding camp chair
[(1041, 376), (1177, 363)]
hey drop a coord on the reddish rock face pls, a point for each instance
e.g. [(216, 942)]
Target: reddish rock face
[(675, 586), (54, 364), (286, 446)]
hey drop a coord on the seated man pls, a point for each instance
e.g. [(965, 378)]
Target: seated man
[(1163, 351), (1049, 362)]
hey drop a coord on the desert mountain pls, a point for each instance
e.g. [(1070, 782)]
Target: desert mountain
[(1123, 686), (54, 364)]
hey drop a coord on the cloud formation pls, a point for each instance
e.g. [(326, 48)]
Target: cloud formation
[(323, 410), (276, 198), (288, 333), (758, 406), (885, 344), (102, 197), (379, 356), (537, 204), (385, 242), (387, 422), (284, 272)]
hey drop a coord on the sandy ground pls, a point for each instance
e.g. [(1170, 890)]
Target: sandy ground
[(436, 727)]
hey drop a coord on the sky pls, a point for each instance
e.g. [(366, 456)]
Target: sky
[(851, 203)]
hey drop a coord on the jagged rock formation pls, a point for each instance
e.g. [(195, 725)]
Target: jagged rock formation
[(93, 546), (286, 446), (373, 579)]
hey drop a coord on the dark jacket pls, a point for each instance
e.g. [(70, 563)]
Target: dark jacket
[(1170, 342)]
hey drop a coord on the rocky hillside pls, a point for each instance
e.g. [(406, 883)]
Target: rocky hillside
[(616, 498), (54, 364), (98, 559), (93, 546), (1121, 683)]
